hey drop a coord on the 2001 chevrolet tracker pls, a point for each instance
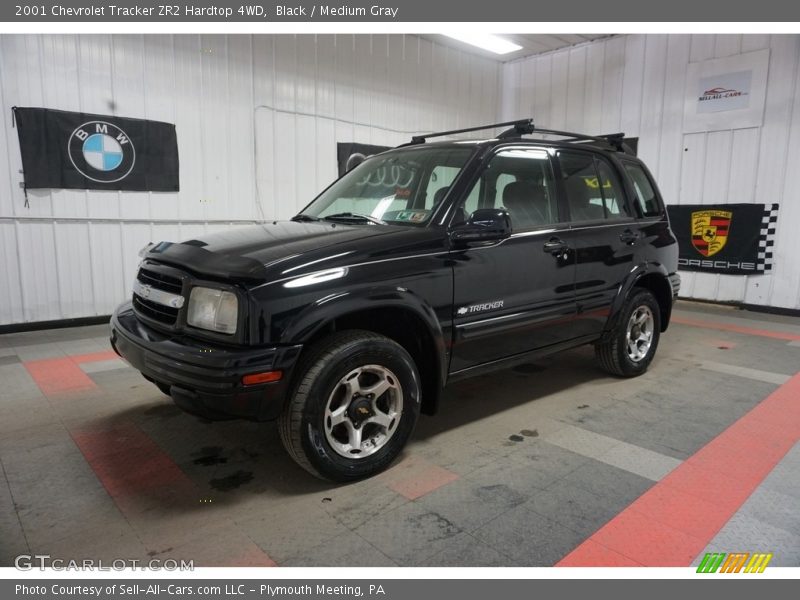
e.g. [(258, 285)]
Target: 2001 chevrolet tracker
[(422, 265)]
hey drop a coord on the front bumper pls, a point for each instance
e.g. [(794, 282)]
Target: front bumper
[(205, 379)]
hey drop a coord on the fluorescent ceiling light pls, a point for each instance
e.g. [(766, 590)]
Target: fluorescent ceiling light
[(487, 41)]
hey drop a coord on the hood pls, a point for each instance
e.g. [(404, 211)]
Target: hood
[(254, 253)]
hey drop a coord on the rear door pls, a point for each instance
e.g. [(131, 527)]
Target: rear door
[(605, 231), (515, 295)]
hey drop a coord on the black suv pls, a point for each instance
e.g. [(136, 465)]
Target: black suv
[(423, 265)]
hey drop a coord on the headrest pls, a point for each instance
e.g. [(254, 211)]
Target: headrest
[(520, 192), (439, 195)]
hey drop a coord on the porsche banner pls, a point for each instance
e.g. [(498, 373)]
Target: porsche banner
[(736, 239), (62, 149)]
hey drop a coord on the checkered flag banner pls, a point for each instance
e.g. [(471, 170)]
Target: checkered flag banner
[(766, 239)]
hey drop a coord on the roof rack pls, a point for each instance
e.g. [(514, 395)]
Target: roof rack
[(526, 127), (420, 139), (615, 140)]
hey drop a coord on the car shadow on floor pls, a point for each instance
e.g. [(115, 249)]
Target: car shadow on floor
[(229, 462)]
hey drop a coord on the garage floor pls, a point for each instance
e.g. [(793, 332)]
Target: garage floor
[(548, 463)]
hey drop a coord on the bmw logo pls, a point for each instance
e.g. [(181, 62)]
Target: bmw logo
[(101, 151)]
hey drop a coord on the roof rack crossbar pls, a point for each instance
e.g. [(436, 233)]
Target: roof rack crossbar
[(520, 125), (615, 140)]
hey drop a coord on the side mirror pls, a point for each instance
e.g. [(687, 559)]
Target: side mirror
[(484, 225)]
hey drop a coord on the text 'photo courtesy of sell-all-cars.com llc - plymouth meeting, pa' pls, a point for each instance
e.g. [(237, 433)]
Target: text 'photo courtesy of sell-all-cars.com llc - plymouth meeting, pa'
[(431, 262)]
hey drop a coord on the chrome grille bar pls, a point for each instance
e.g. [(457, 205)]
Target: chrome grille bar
[(156, 295)]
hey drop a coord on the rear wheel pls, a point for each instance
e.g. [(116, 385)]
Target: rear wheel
[(353, 407), (630, 348)]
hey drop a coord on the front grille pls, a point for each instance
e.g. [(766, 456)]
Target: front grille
[(157, 312), (160, 281), (168, 315)]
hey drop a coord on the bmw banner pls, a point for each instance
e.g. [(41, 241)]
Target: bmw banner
[(736, 239), (62, 149)]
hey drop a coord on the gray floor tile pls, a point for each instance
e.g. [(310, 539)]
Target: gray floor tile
[(354, 507), (39, 351), (345, 550), (609, 482), (410, 534), (784, 480), (291, 529), (469, 504), (744, 533), (99, 366), (18, 385), (465, 550), (532, 539), (777, 509), (575, 507)]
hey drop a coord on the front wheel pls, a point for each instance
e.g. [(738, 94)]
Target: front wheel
[(630, 348), (353, 407)]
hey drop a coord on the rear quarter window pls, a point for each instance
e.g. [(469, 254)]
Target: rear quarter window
[(646, 197)]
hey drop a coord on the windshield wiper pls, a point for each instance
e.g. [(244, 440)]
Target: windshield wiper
[(349, 216), (304, 218)]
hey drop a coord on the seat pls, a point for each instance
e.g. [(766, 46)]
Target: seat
[(580, 206), (439, 195), (528, 204)]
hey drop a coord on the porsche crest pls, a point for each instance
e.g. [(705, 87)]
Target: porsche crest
[(710, 230)]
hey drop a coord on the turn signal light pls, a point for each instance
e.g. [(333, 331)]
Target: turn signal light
[(265, 377)]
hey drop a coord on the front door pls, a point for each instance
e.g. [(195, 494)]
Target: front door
[(516, 295)]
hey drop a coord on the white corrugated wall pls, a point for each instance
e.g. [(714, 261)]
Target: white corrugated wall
[(258, 119), (636, 84)]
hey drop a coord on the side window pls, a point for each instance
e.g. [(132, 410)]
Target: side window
[(471, 203), (613, 196), (592, 187), (522, 182), (581, 184), (645, 194)]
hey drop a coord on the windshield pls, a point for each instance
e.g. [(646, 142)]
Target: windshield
[(399, 187)]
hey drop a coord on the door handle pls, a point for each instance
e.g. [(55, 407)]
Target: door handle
[(628, 237), (555, 246)]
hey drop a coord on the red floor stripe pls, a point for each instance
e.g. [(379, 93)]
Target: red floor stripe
[(770, 333), (63, 374), (141, 477), (59, 375), (128, 462), (670, 524)]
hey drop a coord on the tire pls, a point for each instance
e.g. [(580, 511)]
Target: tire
[(321, 396), (615, 354), (163, 387)]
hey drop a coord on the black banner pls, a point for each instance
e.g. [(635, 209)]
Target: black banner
[(73, 150), (350, 155), (736, 239)]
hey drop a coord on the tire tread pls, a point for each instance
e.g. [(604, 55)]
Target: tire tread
[(291, 418), (608, 352)]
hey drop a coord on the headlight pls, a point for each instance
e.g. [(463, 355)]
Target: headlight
[(215, 310)]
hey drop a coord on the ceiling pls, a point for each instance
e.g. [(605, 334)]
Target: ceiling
[(534, 43)]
